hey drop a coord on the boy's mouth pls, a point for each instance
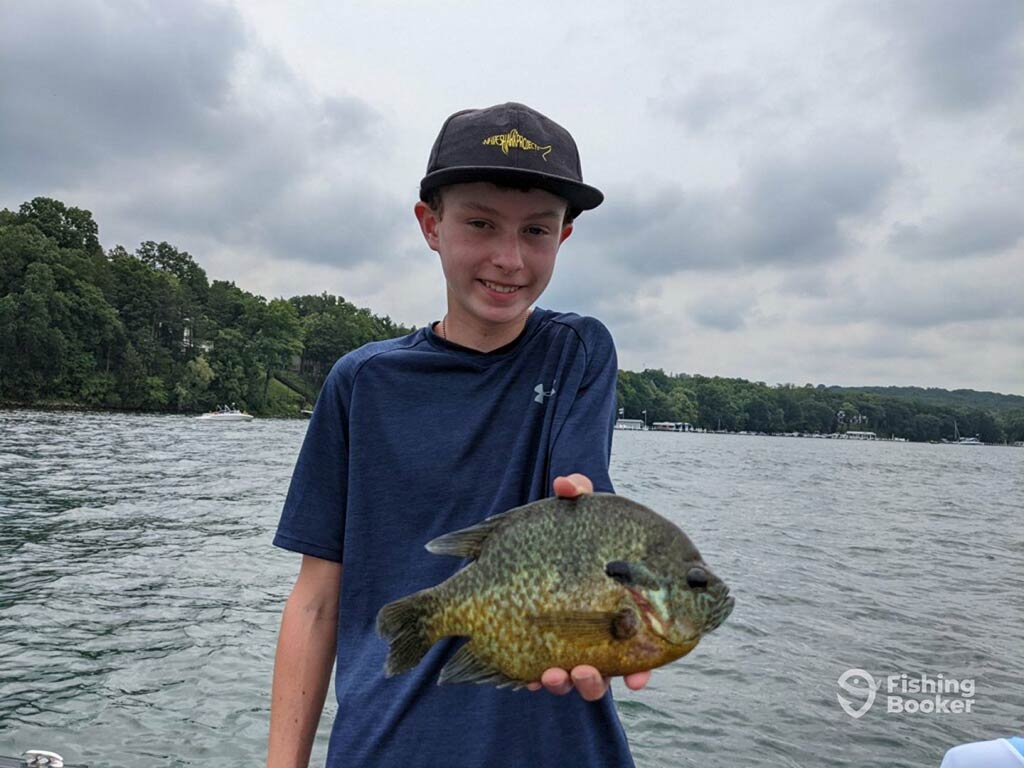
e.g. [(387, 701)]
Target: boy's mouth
[(499, 288)]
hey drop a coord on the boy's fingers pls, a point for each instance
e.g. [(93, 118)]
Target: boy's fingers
[(556, 681), (571, 486), (589, 683), (637, 680)]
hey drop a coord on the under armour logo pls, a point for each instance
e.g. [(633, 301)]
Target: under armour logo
[(541, 394)]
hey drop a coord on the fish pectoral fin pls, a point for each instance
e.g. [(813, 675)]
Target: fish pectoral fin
[(590, 626), (466, 667)]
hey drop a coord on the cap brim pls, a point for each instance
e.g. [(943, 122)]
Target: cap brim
[(581, 197)]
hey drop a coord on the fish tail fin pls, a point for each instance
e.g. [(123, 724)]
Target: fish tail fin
[(403, 624)]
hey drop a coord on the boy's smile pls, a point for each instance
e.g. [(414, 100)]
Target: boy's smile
[(497, 247)]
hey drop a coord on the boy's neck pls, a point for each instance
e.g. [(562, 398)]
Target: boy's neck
[(477, 337)]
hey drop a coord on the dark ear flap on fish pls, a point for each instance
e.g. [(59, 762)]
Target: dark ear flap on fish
[(631, 574), (620, 571), (466, 542)]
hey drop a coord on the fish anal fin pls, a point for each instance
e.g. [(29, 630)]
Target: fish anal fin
[(466, 667)]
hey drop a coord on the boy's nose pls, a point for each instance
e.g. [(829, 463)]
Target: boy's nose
[(507, 256)]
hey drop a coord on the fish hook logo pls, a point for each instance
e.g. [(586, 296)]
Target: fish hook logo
[(869, 693)]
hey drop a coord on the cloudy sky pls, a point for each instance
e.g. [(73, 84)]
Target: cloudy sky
[(825, 192)]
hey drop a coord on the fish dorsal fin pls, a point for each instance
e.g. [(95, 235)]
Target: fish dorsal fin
[(466, 667), (466, 542), (590, 626)]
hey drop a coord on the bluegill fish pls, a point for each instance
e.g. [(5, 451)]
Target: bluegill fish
[(597, 580)]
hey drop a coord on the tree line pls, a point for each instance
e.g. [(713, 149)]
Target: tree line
[(149, 331), (716, 403)]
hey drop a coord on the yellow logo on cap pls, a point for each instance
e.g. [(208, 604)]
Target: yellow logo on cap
[(515, 139)]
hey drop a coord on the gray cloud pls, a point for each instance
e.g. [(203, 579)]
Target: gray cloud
[(347, 121), (851, 170), (723, 312), (87, 81), (736, 102), (878, 348), (710, 100), (812, 281), (657, 232), (787, 208), (976, 230), (171, 123), (795, 204), (923, 299), (961, 56)]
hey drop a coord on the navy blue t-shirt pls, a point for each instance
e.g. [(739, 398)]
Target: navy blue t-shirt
[(415, 437)]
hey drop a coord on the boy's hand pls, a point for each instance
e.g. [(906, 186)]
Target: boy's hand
[(584, 678), (572, 486)]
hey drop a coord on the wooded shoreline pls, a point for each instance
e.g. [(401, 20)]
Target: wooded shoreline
[(82, 328)]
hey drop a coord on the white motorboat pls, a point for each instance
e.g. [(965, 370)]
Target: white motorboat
[(227, 414)]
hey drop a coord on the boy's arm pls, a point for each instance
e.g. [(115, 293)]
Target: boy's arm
[(302, 668), (587, 680)]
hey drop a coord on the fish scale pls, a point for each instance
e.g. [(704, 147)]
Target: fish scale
[(538, 594)]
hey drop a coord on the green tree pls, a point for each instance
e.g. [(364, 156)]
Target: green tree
[(682, 405), (192, 389), (132, 388), (36, 357), (1013, 425), (759, 414), (817, 417), (71, 228), (717, 407), (276, 338)]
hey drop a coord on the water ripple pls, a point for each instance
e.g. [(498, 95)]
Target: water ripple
[(140, 599)]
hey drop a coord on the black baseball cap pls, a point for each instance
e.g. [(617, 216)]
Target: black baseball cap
[(509, 144)]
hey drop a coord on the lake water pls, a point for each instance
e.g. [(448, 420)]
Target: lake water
[(140, 596)]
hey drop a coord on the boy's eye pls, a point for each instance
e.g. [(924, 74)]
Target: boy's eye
[(536, 230), (478, 223)]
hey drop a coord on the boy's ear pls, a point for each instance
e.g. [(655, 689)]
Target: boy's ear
[(428, 219), (566, 231)]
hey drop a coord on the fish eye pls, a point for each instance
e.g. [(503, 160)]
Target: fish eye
[(697, 578)]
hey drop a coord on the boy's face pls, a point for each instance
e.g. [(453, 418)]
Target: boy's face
[(497, 249)]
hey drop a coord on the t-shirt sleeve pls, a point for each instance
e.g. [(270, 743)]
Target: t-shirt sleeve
[(313, 519), (584, 441)]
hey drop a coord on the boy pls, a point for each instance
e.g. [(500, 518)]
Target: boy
[(491, 407)]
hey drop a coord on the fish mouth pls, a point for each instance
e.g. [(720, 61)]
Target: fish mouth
[(714, 607), (719, 614)]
